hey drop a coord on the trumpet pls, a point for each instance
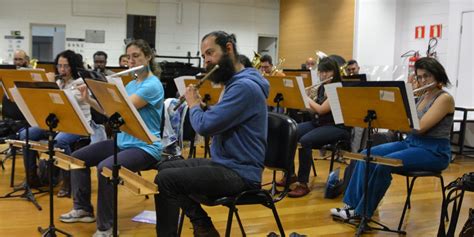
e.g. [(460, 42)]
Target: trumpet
[(199, 84)]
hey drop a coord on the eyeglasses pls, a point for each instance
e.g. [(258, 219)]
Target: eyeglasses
[(65, 66), (423, 77)]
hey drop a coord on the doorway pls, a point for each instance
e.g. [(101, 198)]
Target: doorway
[(268, 45), (47, 41)]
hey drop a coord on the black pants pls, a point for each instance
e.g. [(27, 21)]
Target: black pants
[(178, 179)]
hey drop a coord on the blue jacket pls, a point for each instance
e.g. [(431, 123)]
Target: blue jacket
[(238, 125)]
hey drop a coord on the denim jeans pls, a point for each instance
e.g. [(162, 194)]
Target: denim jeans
[(311, 136), (415, 158), (62, 141)]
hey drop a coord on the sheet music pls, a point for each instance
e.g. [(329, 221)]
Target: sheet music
[(77, 108), (134, 110), (180, 85), (299, 80), (411, 103), (23, 108), (4, 90), (314, 77), (331, 92)]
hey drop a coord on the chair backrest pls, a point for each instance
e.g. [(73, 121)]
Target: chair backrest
[(187, 132), (281, 142)]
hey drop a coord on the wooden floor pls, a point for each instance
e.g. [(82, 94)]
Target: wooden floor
[(308, 215)]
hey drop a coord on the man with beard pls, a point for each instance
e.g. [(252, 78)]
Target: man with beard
[(20, 59), (238, 125)]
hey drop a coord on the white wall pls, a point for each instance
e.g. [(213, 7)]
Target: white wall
[(18, 15), (180, 23), (374, 38), (385, 29)]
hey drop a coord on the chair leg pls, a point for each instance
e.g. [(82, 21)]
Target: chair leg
[(229, 221), (443, 190), (240, 222), (277, 218), (180, 222), (407, 202), (333, 155), (313, 167), (12, 177)]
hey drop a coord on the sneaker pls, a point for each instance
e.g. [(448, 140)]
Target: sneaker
[(300, 191), (77, 216), (346, 213), (105, 233)]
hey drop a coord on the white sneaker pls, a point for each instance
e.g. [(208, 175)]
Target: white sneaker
[(77, 216), (345, 213), (104, 233)]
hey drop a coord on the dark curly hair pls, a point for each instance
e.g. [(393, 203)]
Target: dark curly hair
[(74, 62)]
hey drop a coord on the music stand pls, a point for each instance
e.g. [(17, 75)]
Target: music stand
[(209, 92), (45, 107), (307, 75), (287, 92), (380, 105), (123, 116), (7, 80)]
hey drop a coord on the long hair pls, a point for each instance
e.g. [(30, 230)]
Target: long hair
[(72, 59), (327, 64), (148, 52), (435, 68)]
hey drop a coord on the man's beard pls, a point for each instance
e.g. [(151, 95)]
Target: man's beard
[(225, 72)]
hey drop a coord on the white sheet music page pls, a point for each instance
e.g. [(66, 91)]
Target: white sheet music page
[(77, 108), (411, 103), (124, 93), (299, 80), (331, 92), (180, 85), (314, 77), (22, 106)]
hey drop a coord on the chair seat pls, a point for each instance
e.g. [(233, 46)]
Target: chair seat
[(254, 197), (420, 173)]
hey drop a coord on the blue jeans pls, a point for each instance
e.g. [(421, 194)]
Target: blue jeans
[(311, 136), (414, 157), (62, 141)]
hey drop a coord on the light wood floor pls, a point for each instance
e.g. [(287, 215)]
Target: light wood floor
[(308, 215)]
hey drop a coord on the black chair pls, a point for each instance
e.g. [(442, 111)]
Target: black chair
[(281, 148), (343, 143), (414, 175)]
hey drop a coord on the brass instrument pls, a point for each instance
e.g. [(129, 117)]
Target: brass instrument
[(33, 63), (342, 70), (182, 98), (277, 68), (256, 63)]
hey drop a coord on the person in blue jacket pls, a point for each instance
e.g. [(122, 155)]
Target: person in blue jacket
[(238, 125)]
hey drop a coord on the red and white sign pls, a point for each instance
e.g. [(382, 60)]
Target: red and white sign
[(419, 32), (435, 31)]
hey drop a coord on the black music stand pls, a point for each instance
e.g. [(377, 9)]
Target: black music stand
[(123, 116), (380, 105), (7, 80), (55, 106)]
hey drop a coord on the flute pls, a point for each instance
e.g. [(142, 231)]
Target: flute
[(318, 84), (199, 84), (133, 69), (424, 87)]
